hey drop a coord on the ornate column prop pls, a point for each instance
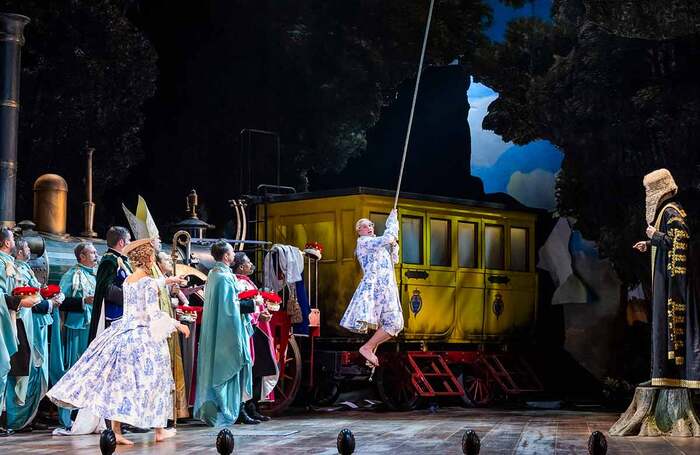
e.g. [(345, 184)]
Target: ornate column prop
[(11, 42)]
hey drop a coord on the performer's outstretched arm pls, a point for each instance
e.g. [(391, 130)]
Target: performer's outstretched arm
[(390, 235)]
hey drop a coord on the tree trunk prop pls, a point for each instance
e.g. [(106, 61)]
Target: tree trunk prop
[(656, 411)]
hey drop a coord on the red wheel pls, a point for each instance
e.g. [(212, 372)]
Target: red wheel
[(289, 364), (477, 386)]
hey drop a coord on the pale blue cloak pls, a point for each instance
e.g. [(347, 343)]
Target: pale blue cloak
[(21, 414), (224, 366)]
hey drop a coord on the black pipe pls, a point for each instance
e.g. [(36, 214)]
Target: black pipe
[(11, 42), (248, 158)]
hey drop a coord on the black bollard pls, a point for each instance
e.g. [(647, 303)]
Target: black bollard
[(597, 444), (108, 442), (471, 444), (225, 442), (346, 442)]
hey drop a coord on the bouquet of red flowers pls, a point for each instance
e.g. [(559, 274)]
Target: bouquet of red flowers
[(24, 291), (272, 300), (50, 291), (250, 294)]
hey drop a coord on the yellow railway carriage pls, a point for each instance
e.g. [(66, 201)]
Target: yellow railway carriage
[(466, 270), (467, 281)]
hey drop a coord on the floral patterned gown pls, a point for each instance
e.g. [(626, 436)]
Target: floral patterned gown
[(124, 374), (376, 303)]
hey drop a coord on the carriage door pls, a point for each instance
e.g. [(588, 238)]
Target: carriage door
[(510, 285), (427, 278), (469, 305)]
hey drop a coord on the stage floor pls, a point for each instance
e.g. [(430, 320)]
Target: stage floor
[(411, 433)]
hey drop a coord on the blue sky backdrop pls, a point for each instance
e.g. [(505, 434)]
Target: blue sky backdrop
[(525, 172)]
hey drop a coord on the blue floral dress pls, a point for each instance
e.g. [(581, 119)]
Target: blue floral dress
[(124, 374), (376, 302)]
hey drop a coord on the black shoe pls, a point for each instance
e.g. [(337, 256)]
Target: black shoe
[(253, 412), (6, 432), (126, 428), (244, 418)]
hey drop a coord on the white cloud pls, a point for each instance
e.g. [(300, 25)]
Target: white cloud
[(486, 145), (534, 189)]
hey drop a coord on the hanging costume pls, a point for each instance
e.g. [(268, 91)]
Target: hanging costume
[(376, 304), (284, 267)]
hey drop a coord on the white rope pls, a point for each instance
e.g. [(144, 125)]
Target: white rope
[(413, 104)]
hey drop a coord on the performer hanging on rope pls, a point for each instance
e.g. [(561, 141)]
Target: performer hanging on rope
[(375, 304)]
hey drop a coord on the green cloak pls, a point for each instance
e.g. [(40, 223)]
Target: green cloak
[(106, 272)]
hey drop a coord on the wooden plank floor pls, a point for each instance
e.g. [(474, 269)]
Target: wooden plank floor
[(412, 433)]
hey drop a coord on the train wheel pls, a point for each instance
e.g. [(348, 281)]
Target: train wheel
[(326, 392), (395, 387), (289, 365), (478, 390)]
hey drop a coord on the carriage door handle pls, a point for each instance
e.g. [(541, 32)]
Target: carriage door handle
[(500, 279), (420, 274)]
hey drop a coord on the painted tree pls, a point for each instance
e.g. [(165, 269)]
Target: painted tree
[(86, 71), (616, 91)]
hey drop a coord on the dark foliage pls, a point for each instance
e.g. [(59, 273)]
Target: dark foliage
[(317, 72), (617, 102), (86, 71)]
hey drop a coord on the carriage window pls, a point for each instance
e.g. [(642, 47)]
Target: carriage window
[(440, 251), (466, 234), (493, 243), (297, 230), (412, 239), (518, 249), (379, 220)]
